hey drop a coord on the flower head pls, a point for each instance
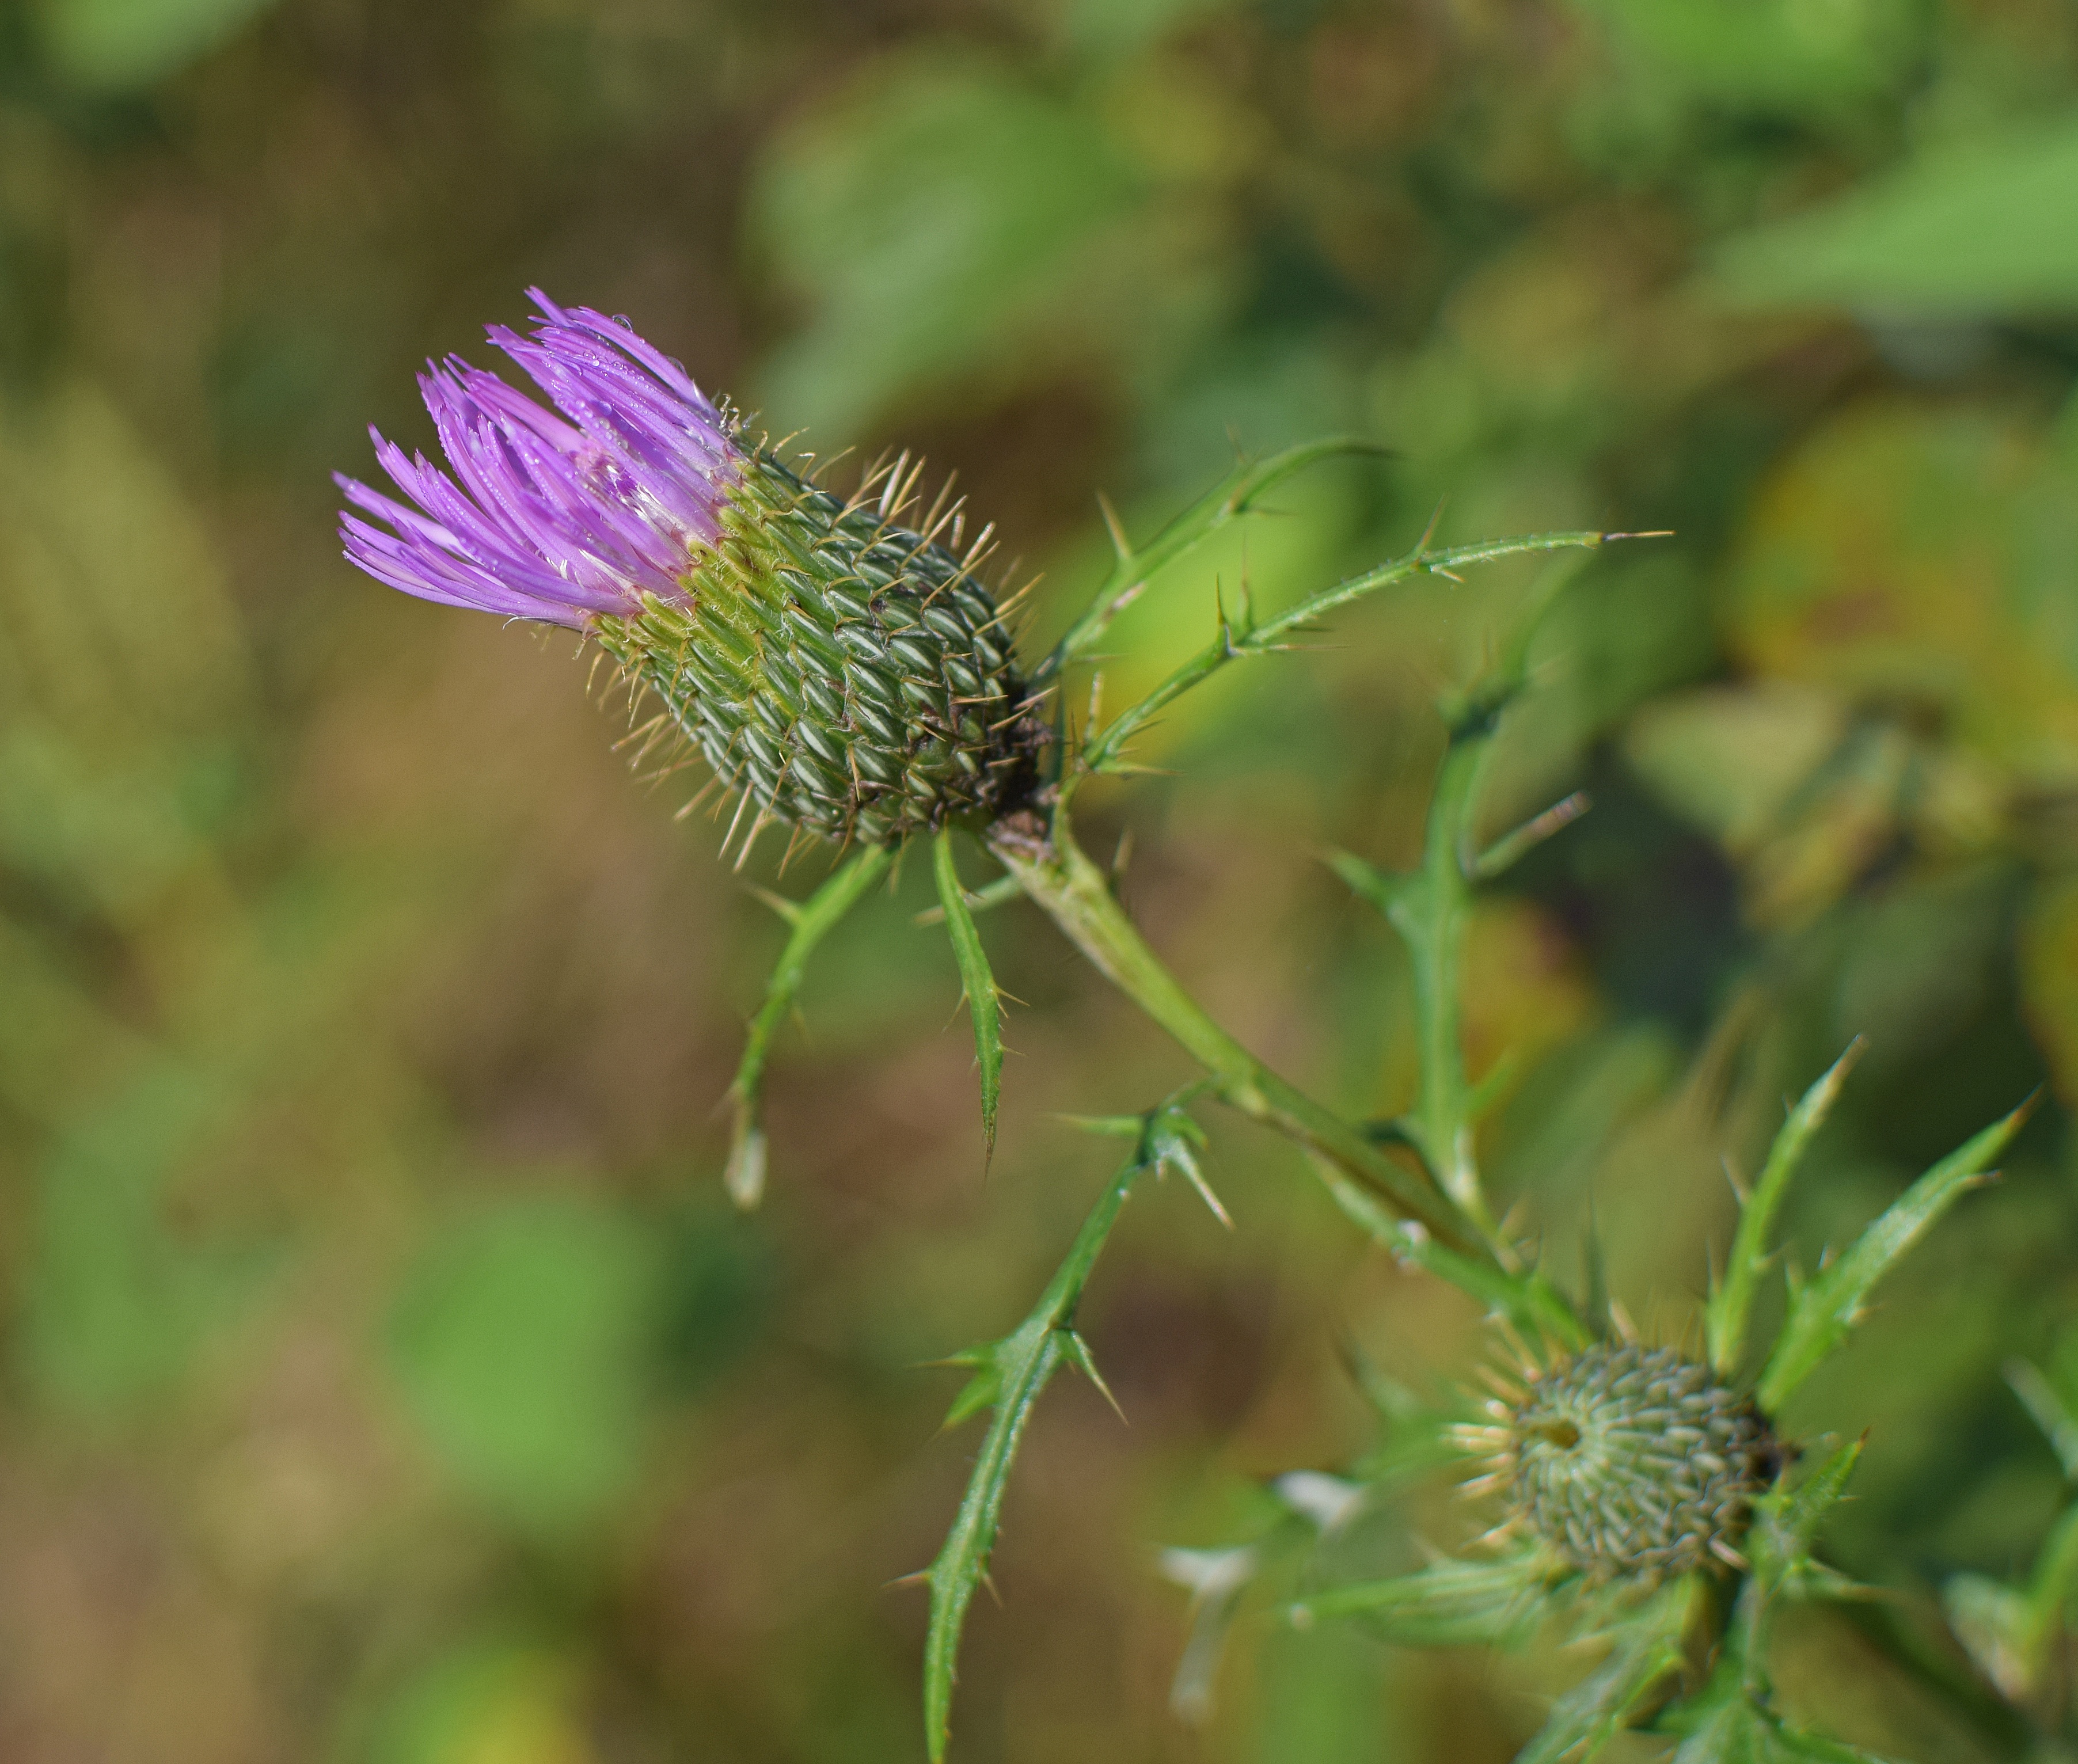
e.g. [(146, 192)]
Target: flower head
[(846, 673), (1629, 1463)]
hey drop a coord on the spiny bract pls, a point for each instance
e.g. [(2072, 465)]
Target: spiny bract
[(848, 675), (1631, 1462)]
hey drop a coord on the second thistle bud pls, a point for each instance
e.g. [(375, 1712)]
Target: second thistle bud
[(1633, 1463)]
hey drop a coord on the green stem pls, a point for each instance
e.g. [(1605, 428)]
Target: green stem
[(1232, 498), (1076, 896), (812, 919), (1243, 636), (1431, 920), (1010, 1374)]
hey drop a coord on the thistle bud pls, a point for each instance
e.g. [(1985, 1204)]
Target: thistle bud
[(1630, 1462), (847, 674)]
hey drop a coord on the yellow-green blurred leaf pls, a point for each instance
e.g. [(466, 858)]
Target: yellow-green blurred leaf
[(927, 210), (1921, 557), (121, 44), (2049, 981), (1729, 759), (1971, 228), (524, 1344)]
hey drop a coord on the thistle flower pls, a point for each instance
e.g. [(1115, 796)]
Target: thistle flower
[(846, 673), (1627, 1463)]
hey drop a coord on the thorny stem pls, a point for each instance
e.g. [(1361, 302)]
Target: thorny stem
[(1076, 895), (1431, 920)]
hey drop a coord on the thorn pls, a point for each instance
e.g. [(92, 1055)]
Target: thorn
[(763, 820), (1739, 1188), (920, 1577), (742, 802), (1077, 1351), (1196, 1178), (788, 910), (1114, 526)]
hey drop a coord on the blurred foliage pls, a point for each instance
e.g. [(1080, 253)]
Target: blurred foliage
[(383, 1380)]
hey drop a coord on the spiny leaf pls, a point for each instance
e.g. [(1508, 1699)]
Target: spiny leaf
[(1013, 1371), (812, 919), (2051, 1414), (1029, 1360), (1267, 638), (1787, 1523), (2056, 1570), (1731, 1728), (1804, 1510), (1526, 1297), (978, 982), (1730, 1308), (1451, 1603), (1233, 497), (1588, 1716), (1834, 1301), (979, 900)]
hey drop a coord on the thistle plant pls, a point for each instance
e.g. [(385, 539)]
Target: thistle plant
[(843, 670)]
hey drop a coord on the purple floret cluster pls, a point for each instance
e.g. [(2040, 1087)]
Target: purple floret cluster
[(554, 518)]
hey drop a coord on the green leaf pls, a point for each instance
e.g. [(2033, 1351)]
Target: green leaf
[(1824, 1311), (812, 920), (1389, 893), (1996, 1624), (931, 209), (1732, 1728), (2056, 1571), (1011, 1374), (1215, 1579), (1786, 1522), (2046, 1404), (1963, 232), (1803, 1511), (1497, 1602), (1271, 635), (1730, 1306), (1526, 1297), (122, 44), (1647, 1647), (524, 1343), (975, 980)]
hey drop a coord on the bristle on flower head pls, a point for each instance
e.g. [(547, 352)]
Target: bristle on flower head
[(848, 675)]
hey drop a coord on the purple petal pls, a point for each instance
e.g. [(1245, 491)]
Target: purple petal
[(557, 514)]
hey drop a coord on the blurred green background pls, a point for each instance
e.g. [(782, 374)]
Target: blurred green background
[(383, 1377)]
